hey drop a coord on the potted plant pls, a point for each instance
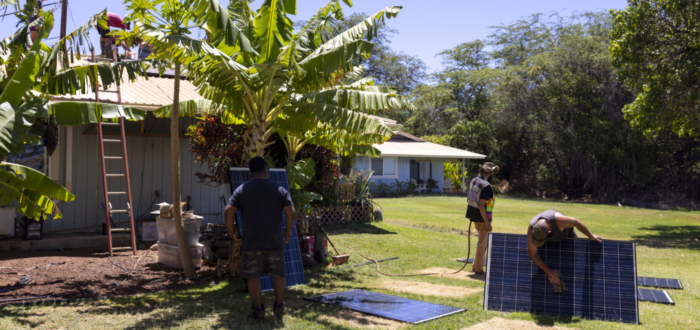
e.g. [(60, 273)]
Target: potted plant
[(347, 163)]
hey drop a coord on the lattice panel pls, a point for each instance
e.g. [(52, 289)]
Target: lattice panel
[(346, 192), (339, 215)]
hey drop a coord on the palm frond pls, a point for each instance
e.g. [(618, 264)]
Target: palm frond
[(194, 108), (82, 78), (366, 29), (357, 100), (79, 113), (220, 24), (307, 115)]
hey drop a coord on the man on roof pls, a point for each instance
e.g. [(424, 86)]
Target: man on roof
[(34, 30), (552, 226), (115, 21)]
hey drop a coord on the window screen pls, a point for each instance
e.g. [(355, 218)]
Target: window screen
[(378, 166), (389, 166)]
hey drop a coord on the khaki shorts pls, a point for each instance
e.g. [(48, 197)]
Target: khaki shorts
[(262, 263)]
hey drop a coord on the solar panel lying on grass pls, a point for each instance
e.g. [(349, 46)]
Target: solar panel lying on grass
[(391, 307), (601, 278), (294, 269), (668, 283), (471, 260), (659, 296)]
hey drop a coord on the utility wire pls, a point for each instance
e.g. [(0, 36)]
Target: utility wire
[(71, 16)]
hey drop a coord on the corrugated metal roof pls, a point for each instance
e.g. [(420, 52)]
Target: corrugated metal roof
[(143, 93), (424, 150)]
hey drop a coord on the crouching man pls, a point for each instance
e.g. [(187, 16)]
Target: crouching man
[(552, 226), (261, 202)]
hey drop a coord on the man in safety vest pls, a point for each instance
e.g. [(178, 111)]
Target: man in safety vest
[(480, 205)]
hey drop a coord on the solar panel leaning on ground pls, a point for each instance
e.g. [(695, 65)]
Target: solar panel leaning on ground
[(668, 283), (659, 296), (601, 278), (294, 269), (391, 307)]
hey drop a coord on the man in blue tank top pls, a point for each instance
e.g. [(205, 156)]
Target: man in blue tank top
[(552, 226)]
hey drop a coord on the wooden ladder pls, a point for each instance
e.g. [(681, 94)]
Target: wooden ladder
[(103, 159)]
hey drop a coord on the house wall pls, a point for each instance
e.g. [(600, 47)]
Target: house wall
[(404, 169), (149, 168)]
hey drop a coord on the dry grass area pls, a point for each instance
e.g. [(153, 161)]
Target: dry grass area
[(348, 318), (429, 289), (505, 324), (447, 272)]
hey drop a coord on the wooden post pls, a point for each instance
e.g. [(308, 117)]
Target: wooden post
[(64, 17), (462, 175)]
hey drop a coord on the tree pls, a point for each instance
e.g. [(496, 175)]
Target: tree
[(166, 25), (462, 91), (297, 76), (654, 47)]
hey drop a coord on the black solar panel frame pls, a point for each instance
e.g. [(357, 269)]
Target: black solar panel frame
[(654, 282), (380, 299), (654, 293), (488, 268)]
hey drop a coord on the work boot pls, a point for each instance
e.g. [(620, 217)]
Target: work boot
[(279, 310), (258, 313)]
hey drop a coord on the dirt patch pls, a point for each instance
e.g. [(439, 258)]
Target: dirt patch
[(447, 272), (429, 289), (501, 323), (89, 272), (348, 318)]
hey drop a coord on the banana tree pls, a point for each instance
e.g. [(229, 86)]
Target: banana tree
[(277, 73)]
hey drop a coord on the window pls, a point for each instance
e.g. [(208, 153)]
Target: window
[(384, 167), (377, 166)]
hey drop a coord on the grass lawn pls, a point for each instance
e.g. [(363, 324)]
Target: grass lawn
[(423, 232)]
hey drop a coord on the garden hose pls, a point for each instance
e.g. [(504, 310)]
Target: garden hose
[(466, 261)]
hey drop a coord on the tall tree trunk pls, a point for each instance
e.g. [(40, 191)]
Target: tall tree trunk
[(187, 265)]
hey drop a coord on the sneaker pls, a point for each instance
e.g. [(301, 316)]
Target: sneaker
[(279, 310), (258, 313)]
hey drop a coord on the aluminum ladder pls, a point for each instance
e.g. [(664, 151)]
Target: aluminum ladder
[(109, 211)]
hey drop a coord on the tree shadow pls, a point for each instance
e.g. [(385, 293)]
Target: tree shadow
[(361, 228), (228, 307), (670, 237), (550, 321)]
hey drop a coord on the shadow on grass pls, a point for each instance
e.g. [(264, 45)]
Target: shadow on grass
[(362, 228), (224, 308), (672, 237), (550, 321)]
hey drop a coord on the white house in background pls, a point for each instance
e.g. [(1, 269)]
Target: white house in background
[(406, 157)]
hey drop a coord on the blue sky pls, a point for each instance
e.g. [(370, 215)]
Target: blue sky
[(425, 27)]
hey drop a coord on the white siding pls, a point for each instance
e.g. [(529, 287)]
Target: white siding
[(149, 168)]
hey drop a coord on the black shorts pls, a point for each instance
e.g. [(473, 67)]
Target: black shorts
[(262, 263), (103, 32)]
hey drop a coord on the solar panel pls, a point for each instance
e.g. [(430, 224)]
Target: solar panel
[(668, 283), (391, 307), (294, 269), (659, 296), (601, 278), (471, 260)]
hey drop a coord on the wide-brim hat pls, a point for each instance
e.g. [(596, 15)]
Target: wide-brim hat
[(489, 168)]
